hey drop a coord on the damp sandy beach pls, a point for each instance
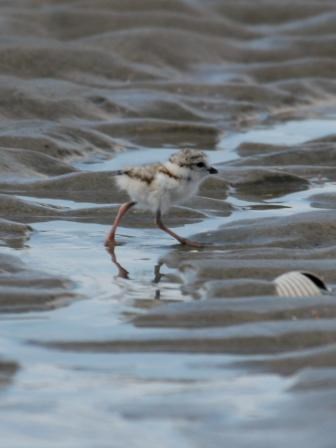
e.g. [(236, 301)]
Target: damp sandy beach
[(194, 348)]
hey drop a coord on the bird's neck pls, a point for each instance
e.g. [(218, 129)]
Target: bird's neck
[(180, 172)]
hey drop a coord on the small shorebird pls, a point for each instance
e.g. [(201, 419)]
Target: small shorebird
[(157, 187)]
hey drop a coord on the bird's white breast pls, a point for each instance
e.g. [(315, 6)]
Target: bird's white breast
[(163, 191)]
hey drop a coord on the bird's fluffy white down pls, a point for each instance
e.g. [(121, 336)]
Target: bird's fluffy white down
[(153, 189)]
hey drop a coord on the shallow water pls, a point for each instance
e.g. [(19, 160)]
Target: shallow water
[(60, 393)]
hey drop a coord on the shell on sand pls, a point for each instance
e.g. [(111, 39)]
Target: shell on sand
[(299, 284)]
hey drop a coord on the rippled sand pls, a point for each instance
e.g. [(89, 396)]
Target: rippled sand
[(194, 349)]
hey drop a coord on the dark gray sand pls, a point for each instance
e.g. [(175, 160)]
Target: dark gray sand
[(193, 349)]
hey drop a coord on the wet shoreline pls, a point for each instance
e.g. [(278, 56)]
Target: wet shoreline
[(194, 348)]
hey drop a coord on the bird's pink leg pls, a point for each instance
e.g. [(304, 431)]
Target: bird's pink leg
[(182, 240), (110, 240)]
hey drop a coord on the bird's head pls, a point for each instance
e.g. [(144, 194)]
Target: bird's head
[(193, 163)]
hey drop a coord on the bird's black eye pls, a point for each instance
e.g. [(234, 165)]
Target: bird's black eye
[(200, 164)]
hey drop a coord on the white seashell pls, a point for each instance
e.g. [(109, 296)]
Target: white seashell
[(299, 284)]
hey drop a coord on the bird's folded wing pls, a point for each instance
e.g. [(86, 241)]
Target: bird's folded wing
[(142, 173)]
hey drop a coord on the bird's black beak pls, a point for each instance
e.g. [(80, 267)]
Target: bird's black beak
[(212, 170)]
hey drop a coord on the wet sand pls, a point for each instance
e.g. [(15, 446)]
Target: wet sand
[(193, 348)]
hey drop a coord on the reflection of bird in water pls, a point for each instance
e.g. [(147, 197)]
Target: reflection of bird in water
[(158, 186), (123, 273)]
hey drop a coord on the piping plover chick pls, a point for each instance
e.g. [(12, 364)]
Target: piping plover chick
[(157, 187)]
